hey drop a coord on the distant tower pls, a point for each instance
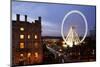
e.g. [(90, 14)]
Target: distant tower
[(72, 37)]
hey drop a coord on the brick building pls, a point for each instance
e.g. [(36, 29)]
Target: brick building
[(26, 42)]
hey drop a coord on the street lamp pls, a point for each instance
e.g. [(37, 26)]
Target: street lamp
[(64, 44)]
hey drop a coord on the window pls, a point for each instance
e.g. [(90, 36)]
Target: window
[(36, 45), (28, 36), (29, 54), (21, 45), (21, 29), (35, 36), (21, 55), (21, 36), (36, 55)]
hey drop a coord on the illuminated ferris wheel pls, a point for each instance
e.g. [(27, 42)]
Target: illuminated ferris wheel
[(72, 36)]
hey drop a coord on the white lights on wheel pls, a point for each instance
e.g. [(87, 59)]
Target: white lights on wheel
[(85, 20)]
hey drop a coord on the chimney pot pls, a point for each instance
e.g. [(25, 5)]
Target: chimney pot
[(25, 18), (39, 18), (18, 17)]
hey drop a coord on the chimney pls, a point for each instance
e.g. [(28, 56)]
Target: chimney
[(39, 18), (18, 17), (25, 18)]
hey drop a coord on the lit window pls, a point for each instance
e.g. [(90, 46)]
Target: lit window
[(21, 36), (21, 29), (29, 54), (21, 55), (35, 36), (36, 55), (28, 36), (21, 45)]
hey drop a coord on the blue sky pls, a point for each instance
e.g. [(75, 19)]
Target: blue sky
[(53, 14)]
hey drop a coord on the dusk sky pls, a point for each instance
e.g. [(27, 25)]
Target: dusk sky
[(53, 14)]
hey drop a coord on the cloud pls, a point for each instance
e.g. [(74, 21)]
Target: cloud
[(28, 8), (50, 29)]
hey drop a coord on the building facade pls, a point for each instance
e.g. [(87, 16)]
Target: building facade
[(26, 42)]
